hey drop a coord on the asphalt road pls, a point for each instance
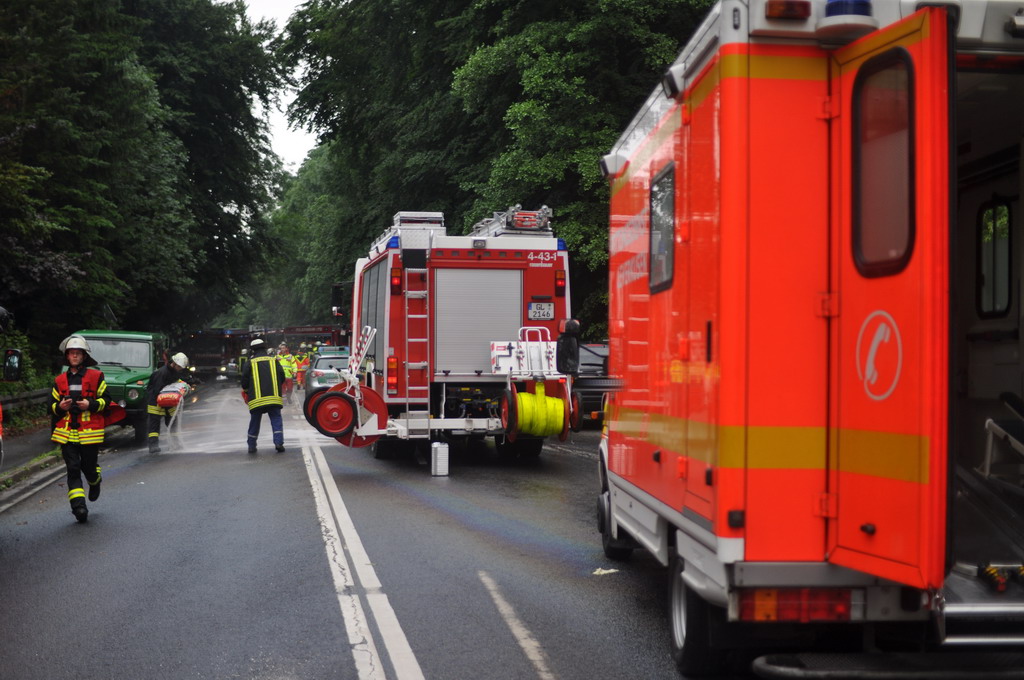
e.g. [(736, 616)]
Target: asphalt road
[(323, 562)]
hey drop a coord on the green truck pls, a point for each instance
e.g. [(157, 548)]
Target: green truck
[(127, 359)]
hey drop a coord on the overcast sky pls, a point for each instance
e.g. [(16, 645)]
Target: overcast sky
[(291, 145)]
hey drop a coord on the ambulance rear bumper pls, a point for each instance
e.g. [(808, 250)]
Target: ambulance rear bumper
[(892, 666)]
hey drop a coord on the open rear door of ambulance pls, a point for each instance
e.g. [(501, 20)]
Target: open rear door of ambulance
[(890, 217)]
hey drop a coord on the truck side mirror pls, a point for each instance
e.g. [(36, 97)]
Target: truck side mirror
[(12, 365), (567, 348)]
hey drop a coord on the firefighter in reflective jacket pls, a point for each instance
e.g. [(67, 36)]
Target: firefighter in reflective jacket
[(301, 366), (161, 378), (262, 383), (77, 405), (288, 363)]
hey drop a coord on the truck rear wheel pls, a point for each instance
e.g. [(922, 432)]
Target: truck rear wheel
[(521, 449), (692, 620)]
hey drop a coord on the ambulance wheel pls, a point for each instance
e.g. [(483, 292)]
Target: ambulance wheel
[(614, 549), (692, 620)]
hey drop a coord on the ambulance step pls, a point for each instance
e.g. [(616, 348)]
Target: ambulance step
[(892, 666)]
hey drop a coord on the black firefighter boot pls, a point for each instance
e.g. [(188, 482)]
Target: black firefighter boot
[(154, 445), (79, 510)]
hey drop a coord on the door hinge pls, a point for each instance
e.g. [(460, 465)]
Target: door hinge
[(828, 506), (826, 109), (828, 305)]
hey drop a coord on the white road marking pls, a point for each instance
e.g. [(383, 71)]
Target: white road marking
[(534, 652), (340, 522), (364, 651)]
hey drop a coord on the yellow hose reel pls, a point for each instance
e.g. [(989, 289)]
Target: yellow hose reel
[(533, 413)]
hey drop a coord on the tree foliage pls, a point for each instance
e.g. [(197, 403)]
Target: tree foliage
[(137, 185), (470, 106), (134, 177)]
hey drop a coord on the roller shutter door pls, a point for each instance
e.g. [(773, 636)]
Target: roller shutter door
[(472, 308)]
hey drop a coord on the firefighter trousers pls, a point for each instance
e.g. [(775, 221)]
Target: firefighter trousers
[(81, 459), (156, 413), (276, 425)]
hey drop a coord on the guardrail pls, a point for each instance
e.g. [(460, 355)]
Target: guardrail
[(25, 398)]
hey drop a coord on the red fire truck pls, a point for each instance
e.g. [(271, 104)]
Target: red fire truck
[(815, 309), (458, 336)]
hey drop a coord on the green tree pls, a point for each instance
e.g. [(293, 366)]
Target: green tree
[(561, 80), (134, 177), (470, 106), (212, 65)]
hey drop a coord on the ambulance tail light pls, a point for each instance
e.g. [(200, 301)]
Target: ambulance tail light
[(396, 280), (392, 373), (787, 9), (560, 283), (796, 605)]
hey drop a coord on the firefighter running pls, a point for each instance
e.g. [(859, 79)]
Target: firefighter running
[(77, 405), (261, 389)]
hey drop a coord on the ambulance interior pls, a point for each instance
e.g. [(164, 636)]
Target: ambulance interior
[(987, 381)]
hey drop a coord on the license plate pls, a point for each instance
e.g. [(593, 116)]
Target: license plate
[(541, 311)]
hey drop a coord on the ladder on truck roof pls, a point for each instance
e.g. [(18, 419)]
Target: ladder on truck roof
[(416, 361), (411, 229), (515, 220)]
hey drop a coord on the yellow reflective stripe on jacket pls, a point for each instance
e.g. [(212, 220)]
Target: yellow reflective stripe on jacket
[(264, 394), (288, 364)]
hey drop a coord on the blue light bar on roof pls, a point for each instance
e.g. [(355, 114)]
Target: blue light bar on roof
[(834, 8), (393, 242), (561, 245)]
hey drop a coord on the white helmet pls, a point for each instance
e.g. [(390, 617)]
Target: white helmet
[(180, 359), (258, 342), (74, 342), (244, 351), (302, 345)]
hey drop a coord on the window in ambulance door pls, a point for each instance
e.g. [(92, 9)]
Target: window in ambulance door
[(994, 259), (663, 227), (883, 171)]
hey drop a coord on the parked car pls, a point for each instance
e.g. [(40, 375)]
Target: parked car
[(333, 350), (593, 382), (128, 359), (323, 372)]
